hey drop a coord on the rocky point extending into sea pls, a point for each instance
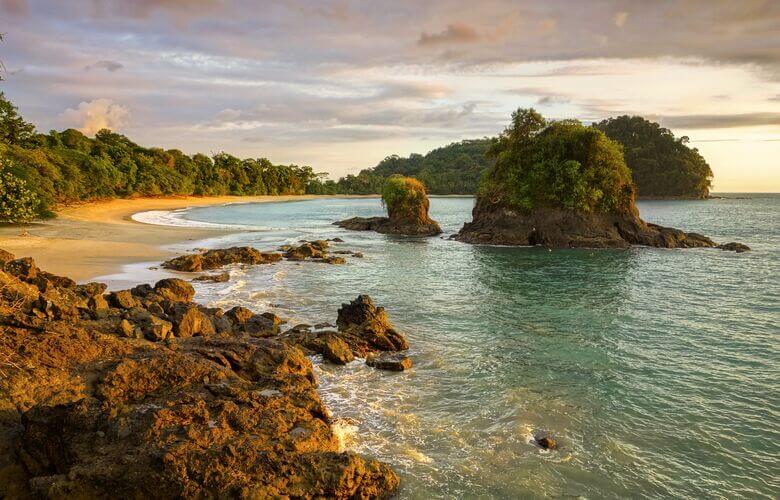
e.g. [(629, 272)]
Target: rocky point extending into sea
[(143, 393)]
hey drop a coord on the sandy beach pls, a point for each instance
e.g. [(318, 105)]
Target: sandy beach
[(96, 238)]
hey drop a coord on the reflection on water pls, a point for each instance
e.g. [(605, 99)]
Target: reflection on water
[(655, 370)]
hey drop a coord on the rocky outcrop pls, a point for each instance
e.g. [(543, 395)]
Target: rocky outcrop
[(389, 361), (213, 259), (386, 225), (144, 394), (557, 228), (734, 247)]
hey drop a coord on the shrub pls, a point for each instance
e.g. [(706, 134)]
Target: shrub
[(405, 197), (17, 202)]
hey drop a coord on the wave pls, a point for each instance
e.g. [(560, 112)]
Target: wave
[(177, 218)]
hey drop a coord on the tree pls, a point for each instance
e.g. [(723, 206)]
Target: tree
[(13, 129), (17, 202), (661, 164), (557, 165)]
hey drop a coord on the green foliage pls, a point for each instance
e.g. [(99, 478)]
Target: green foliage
[(68, 166), (557, 165), (404, 197), (13, 129), (18, 203), (661, 164), (453, 169)]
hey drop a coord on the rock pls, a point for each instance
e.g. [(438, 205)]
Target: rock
[(122, 299), (188, 320), (126, 329), (305, 251), (91, 289), (239, 315), (389, 361), (330, 259), (273, 318), (24, 268), (336, 240), (97, 303), (335, 350), (366, 329), (734, 247), (214, 278), (90, 409), (155, 329), (213, 259), (5, 257), (546, 443), (175, 289)]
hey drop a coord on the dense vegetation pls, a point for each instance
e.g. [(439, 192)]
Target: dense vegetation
[(561, 164), (661, 164), (453, 169), (405, 197), (68, 166)]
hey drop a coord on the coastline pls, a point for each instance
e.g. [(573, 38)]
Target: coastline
[(96, 238)]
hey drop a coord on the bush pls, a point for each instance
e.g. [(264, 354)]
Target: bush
[(558, 165), (405, 197), (17, 202)]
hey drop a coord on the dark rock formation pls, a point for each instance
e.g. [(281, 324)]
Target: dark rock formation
[(148, 395), (213, 278), (386, 225), (734, 247), (213, 259), (547, 443), (556, 228), (389, 361)]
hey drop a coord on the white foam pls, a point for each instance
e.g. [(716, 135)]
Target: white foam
[(177, 218)]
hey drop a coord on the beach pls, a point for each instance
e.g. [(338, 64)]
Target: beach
[(95, 238)]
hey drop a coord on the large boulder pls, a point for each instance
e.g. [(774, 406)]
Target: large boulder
[(175, 290), (366, 328)]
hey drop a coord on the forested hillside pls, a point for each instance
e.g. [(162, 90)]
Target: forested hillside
[(452, 169), (661, 164)]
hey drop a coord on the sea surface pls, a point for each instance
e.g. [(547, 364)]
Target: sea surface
[(657, 371)]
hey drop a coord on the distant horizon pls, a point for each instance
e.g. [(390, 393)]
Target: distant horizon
[(339, 86)]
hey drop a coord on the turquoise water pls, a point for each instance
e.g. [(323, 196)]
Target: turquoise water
[(656, 370)]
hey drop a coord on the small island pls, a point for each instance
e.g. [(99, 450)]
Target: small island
[(406, 200), (560, 185)]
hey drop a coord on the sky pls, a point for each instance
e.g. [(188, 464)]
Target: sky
[(339, 85)]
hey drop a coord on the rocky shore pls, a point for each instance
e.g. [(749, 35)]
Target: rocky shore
[(496, 224), (144, 393)]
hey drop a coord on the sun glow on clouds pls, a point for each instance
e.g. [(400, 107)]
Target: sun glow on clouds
[(341, 85)]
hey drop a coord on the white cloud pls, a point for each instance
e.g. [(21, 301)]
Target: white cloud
[(94, 115)]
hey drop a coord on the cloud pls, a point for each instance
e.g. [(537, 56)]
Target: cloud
[(14, 7), (95, 115), (110, 66), (620, 19), (722, 121), (454, 34)]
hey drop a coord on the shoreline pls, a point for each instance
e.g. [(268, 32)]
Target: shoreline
[(97, 238)]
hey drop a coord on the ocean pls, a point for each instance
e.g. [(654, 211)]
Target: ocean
[(655, 370)]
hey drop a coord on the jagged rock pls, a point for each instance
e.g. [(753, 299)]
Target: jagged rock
[(335, 350), (734, 247), (214, 278), (366, 329), (175, 290), (23, 268), (386, 225), (89, 409), (331, 259), (389, 361), (97, 303), (122, 299), (91, 289), (213, 259), (155, 329), (559, 228), (239, 315), (188, 320), (5, 257), (307, 250)]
